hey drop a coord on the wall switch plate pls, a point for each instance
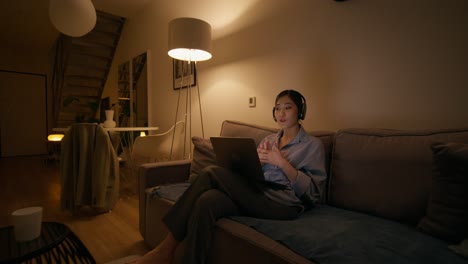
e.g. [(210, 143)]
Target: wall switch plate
[(252, 101)]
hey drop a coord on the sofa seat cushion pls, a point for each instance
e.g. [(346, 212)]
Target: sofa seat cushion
[(330, 235), (171, 192), (327, 234)]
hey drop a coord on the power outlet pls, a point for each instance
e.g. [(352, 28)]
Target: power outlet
[(252, 101)]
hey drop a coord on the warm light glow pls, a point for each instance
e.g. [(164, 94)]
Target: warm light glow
[(55, 137), (189, 54), (189, 39), (74, 18), (142, 134)]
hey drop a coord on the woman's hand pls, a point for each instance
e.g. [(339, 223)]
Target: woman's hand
[(272, 156), (263, 150)]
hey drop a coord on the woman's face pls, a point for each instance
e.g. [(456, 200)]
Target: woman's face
[(286, 112)]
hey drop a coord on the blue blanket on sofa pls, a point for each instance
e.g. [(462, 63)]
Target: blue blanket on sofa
[(330, 235)]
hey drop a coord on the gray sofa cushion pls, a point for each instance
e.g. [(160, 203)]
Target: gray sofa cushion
[(447, 212), (203, 156), (384, 172), (330, 235)]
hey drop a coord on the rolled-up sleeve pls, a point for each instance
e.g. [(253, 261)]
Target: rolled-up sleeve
[(311, 168)]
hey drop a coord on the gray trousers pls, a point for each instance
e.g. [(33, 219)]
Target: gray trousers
[(217, 193)]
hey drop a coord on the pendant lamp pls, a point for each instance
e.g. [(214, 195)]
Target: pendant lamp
[(74, 18)]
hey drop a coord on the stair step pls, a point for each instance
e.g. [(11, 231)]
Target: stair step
[(82, 77), (86, 72), (81, 87), (110, 29), (85, 66), (96, 38), (79, 100), (90, 50), (90, 82), (102, 16), (91, 44), (81, 90), (71, 90), (84, 59), (107, 23)]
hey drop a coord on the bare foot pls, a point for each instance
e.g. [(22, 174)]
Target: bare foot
[(162, 254), (155, 256)]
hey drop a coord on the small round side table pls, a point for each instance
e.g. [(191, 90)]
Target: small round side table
[(56, 244)]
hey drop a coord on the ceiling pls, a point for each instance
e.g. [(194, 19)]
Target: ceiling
[(25, 24), (25, 27)]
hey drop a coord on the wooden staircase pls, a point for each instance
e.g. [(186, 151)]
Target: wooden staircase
[(86, 64)]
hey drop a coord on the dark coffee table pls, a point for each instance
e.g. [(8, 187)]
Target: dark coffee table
[(57, 244)]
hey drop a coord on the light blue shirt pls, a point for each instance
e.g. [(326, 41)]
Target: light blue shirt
[(305, 153)]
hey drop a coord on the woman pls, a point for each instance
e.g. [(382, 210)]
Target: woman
[(291, 157)]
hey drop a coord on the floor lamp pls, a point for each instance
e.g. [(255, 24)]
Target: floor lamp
[(189, 40)]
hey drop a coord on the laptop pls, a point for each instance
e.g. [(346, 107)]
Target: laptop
[(239, 154)]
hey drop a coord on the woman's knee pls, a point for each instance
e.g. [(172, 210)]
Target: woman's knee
[(212, 169), (215, 203), (206, 173), (214, 173)]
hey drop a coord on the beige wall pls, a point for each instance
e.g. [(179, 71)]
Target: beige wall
[(391, 64), (23, 117), (26, 70)]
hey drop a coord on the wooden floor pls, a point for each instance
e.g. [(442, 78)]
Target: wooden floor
[(29, 181)]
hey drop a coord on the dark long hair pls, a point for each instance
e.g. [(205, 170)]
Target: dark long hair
[(298, 100)]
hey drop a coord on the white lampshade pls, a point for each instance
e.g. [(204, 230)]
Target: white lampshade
[(189, 39), (72, 17)]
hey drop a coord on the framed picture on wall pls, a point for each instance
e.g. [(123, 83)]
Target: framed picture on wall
[(184, 73)]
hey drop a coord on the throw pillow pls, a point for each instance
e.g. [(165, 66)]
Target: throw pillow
[(203, 156), (447, 211)]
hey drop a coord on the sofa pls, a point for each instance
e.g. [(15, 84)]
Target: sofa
[(388, 199)]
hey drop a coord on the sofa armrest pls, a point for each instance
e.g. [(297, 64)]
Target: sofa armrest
[(159, 173)]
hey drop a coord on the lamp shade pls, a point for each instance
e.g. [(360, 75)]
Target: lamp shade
[(72, 17), (55, 137), (189, 39)]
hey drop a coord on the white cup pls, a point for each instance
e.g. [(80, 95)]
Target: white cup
[(27, 223)]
